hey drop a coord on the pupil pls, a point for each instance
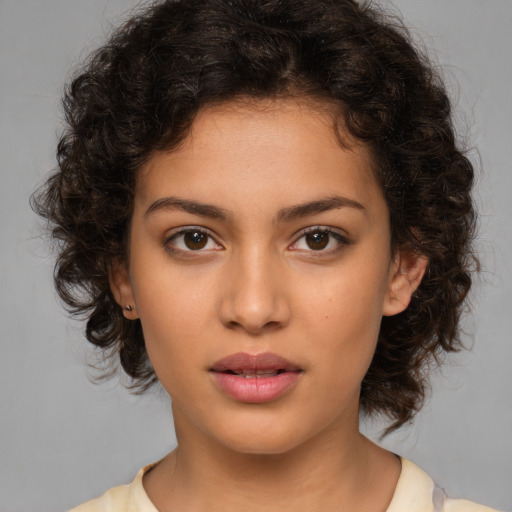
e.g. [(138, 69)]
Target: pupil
[(195, 240), (317, 240)]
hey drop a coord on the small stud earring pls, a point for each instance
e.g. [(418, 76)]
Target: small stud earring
[(128, 308)]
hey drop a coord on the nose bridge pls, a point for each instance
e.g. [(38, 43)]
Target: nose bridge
[(254, 297)]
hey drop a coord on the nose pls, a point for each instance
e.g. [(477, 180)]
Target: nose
[(254, 296)]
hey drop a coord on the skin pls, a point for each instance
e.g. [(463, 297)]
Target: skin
[(257, 285)]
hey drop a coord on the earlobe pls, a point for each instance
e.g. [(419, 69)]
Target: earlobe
[(121, 287), (406, 274)]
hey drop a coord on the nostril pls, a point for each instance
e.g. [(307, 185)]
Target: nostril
[(272, 325), (254, 328), (233, 325)]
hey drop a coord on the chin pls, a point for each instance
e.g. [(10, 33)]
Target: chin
[(261, 446), (275, 439)]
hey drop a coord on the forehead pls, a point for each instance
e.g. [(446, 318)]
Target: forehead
[(284, 150)]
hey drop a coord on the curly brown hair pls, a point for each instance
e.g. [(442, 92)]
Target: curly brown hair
[(141, 91)]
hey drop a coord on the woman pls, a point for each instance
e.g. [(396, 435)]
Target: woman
[(261, 205)]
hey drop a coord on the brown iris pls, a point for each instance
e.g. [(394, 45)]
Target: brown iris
[(195, 240), (317, 240)]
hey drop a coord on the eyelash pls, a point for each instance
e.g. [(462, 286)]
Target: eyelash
[(181, 233), (332, 234)]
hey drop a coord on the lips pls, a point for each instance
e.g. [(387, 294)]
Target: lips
[(255, 378)]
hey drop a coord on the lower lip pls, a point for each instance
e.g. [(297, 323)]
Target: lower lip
[(255, 390)]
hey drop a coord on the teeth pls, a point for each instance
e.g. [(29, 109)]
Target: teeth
[(251, 374)]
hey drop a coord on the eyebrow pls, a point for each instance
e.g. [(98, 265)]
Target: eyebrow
[(284, 215), (317, 206), (194, 207)]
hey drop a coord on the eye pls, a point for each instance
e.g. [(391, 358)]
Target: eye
[(319, 240), (192, 239)]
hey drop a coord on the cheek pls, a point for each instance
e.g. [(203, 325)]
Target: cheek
[(347, 299), (174, 312), (343, 315)]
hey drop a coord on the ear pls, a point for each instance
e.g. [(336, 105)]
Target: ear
[(121, 287), (406, 273)]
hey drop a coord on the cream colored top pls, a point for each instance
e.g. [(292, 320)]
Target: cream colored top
[(415, 492)]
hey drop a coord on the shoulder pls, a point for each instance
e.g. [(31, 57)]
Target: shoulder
[(113, 500), (125, 498), (417, 492), (465, 506)]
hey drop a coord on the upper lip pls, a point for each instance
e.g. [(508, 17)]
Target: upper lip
[(243, 362)]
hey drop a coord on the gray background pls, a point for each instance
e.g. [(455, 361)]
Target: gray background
[(64, 440)]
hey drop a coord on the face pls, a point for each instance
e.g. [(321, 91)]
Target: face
[(260, 267)]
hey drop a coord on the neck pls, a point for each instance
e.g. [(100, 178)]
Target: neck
[(337, 471)]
